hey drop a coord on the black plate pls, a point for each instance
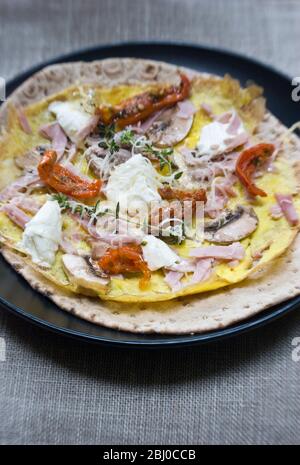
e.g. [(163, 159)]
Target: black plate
[(17, 296)]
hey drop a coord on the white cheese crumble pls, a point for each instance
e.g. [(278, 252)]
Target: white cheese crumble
[(214, 135), (133, 184), (157, 254), (42, 234), (71, 117)]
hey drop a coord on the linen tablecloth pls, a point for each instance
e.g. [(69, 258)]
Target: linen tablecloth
[(57, 391)]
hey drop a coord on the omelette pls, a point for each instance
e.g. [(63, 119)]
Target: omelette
[(146, 191)]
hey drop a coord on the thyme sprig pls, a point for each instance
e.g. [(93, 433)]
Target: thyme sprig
[(127, 138), (113, 141), (107, 133), (163, 156), (172, 234), (65, 203)]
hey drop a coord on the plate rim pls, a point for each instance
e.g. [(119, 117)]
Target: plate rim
[(174, 341)]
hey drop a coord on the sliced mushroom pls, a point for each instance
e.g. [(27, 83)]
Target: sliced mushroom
[(96, 269), (231, 226), (170, 128), (80, 272)]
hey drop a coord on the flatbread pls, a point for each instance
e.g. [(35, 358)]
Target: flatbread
[(278, 281)]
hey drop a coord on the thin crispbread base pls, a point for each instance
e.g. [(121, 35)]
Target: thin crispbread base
[(278, 281)]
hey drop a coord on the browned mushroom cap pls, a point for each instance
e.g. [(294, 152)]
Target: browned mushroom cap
[(231, 226), (80, 273), (169, 129)]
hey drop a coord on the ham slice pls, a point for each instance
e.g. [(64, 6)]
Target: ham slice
[(185, 109), (235, 123), (224, 117), (184, 266), (238, 140), (107, 237), (258, 253), (202, 271), (189, 156), (275, 212), (68, 247), (215, 203), (86, 131), (173, 278), (55, 133), (26, 203), (208, 110), (29, 161), (234, 251), (288, 208), (16, 215), (21, 183), (98, 249), (71, 152), (114, 239)]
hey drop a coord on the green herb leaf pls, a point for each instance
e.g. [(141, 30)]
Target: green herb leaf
[(178, 175), (127, 137), (118, 210)]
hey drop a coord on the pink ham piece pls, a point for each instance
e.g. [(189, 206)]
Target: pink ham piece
[(185, 109), (114, 239), (98, 249), (275, 212), (23, 120), (109, 238), (68, 247), (238, 140), (16, 215), (71, 152), (233, 263), (208, 110), (56, 135), (26, 203), (235, 123), (185, 266), (21, 183), (173, 278), (224, 117), (188, 156), (215, 204), (230, 252), (224, 187), (288, 208), (202, 271), (86, 131)]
